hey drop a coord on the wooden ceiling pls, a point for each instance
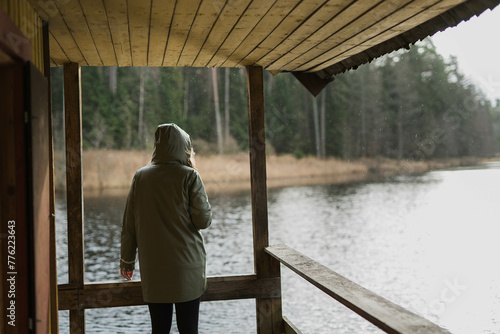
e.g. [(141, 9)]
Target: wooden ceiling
[(319, 36)]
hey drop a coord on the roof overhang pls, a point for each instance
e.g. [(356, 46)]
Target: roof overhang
[(320, 38)]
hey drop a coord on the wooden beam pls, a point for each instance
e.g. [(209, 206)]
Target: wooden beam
[(53, 313), (312, 82), (384, 314), (289, 328), (74, 194), (241, 287), (120, 293), (37, 95), (269, 318), (258, 177)]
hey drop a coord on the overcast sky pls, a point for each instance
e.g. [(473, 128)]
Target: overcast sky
[(476, 44)]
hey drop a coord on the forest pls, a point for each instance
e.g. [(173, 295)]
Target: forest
[(410, 104)]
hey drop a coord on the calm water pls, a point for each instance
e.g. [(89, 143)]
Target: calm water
[(429, 243)]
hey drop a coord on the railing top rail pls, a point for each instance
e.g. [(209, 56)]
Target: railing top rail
[(379, 311), (129, 293)]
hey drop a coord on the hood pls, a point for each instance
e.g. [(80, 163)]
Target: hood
[(171, 144)]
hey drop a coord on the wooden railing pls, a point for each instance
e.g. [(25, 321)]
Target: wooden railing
[(381, 312), (264, 286), (121, 293), (384, 314)]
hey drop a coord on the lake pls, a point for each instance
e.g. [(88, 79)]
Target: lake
[(429, 243)]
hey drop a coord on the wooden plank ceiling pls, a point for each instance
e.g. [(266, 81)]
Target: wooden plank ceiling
[(326, 37)]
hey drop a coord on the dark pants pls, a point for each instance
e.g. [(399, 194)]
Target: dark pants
[(186, 314)]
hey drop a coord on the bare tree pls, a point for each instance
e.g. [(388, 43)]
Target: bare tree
[(186, 96), (323, 125), (305, 95), (363, 114), (226, 105), (113, 79), (217, 110), (140, 126), (316, 127), (399, 123)]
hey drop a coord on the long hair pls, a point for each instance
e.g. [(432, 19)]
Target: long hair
[(191, 160)]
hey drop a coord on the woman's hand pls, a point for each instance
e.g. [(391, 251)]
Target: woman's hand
[(127, 274)]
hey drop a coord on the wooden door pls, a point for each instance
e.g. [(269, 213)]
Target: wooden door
[(24, 205), (15, 269)]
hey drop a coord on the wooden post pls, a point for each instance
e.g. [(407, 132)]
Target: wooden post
[(36, 93), (74, 194), (269, 318), (53, 313)]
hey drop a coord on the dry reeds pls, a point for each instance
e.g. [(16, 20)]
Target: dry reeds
[(113, 169)]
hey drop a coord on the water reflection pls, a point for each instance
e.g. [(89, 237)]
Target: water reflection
[(428, 243)]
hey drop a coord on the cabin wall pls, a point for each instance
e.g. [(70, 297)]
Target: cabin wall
[(29, 22), (27, 194)]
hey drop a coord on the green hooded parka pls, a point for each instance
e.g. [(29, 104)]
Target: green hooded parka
[(166, 207)]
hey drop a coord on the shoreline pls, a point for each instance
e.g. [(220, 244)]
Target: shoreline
[(111, 171)]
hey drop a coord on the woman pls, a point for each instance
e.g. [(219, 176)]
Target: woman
[(166, 207)]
